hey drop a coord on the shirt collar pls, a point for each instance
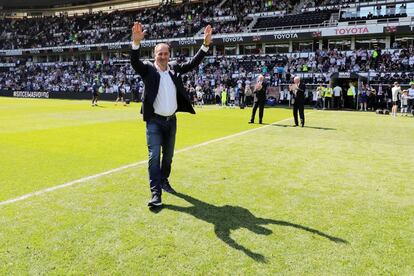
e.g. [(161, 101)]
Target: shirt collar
[(159, 70)]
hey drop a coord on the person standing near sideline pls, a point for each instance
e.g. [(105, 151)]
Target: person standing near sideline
[(395, 91), (337, 91), (363, 98), (319, 96), (298, 90), (328, 96), (199, 94), (241, 93), (217, 94), (121, 94), (247, 93), (232, 96), (350, 96), (95, 93), (164, 95), (259, 99), (411, 97), (404, 103), (224, 97)]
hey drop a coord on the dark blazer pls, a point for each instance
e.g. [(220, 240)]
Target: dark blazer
[(260, 95), (300, 94), (151, 79)]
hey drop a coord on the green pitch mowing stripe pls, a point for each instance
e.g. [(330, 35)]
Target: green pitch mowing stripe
[(334, 198), (122, 168), (50, 142)]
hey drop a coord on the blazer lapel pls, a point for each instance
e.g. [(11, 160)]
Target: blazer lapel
[(156, 80), (174, 79)]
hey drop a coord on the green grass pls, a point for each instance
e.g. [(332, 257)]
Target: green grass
[(333, 198), (52, 142)]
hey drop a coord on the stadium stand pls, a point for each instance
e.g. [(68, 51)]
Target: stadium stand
[(306, 18), (323, 40)]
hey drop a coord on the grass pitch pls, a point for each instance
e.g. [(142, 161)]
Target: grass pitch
[(335, 197)]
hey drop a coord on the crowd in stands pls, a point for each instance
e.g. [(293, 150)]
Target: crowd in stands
[(168, 20), (171, 20), (376, 12), (69, 77), (306, 18), (216, 73), (244, 7), (360, 60), (325, 4)]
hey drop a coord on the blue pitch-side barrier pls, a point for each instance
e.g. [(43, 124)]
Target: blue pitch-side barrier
[(59, 95)]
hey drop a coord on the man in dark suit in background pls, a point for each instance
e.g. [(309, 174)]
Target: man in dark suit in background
[(297, 89), (259, 99), (164, 95)]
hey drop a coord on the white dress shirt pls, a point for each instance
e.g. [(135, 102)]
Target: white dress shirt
[(165, 103)]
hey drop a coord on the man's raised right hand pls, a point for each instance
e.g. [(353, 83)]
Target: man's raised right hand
[(137, 33)]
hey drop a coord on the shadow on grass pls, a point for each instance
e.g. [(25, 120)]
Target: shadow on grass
[(227, 218), (321, 128)]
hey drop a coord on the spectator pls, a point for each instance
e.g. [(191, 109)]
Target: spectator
[(396, 90), (337, 93)]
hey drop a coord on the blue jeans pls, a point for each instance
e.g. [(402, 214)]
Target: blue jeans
[(160, 137)]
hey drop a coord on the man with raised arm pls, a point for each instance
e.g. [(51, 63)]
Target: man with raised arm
[(164, 95)]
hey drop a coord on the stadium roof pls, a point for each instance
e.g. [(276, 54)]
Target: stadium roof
[(41, 4)]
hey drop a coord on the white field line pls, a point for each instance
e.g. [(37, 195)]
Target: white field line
[(84, 179)]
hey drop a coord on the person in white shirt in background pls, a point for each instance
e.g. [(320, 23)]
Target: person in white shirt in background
[(411, 97), (115, 88), (395, 91), (127, 88), (108, 89), (232, 97), (141, 90), (217, 94), (314, 98), (404, 103), (337, 91), (199, 94), (319, 97), (193, 95), (121, 94), (248, 93)]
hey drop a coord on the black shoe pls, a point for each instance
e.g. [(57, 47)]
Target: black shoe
[(303, 125), (261, 122), (167, 187), (295, 125), (251, 122), (155, 201)]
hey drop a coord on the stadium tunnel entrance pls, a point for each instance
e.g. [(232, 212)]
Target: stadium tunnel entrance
[(343, 79)]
